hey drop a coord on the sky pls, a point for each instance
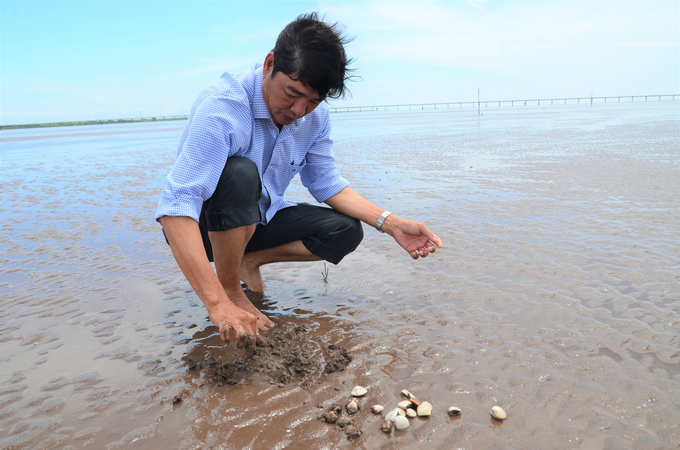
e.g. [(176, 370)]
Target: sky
[(83, 60)]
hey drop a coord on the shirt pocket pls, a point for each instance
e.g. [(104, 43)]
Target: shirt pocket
[(295, 167), (286, 172)]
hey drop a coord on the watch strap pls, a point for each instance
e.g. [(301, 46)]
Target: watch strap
[(381, 221)]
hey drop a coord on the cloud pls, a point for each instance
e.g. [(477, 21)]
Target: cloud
[(508, 36), (649, 44), (476, 3)]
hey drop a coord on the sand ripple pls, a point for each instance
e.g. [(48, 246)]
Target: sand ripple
[(556, 296)]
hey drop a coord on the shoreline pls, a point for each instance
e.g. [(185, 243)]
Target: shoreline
[(395, 107), (91, 122)]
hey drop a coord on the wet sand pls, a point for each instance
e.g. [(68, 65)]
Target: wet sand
[(557, 295)]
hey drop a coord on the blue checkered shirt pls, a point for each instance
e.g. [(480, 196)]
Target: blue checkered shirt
[(230, 117)]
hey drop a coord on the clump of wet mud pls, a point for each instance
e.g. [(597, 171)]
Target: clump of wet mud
[(291, 355)]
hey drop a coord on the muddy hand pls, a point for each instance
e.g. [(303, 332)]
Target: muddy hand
[(230, 318)]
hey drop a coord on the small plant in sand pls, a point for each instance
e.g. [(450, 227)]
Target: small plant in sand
[(324, 273)]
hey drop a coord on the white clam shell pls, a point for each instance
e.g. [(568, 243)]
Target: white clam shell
[(352, 407), (411, 413), (455, 411), (394, 413), (425, 409), (390, 416), (377, 409), (405, 404), (498, 413), (359, 391), (406, 394), (401, 423)]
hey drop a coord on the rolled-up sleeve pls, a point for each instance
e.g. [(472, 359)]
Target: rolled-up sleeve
[(218, 127), (320, 176)]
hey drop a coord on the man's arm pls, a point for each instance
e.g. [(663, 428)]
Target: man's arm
[(186, 244), (414, 237)]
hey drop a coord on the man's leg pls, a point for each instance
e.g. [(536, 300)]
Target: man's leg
[(250, 266), (228, 247), (228, 220), (300, 233)]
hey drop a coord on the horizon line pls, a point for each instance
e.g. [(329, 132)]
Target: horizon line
[(349, 109)]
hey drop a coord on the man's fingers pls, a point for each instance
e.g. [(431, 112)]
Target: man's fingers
[(435, 240), (240, 336), (264, 324), (431, 236), (261, 342), (224, 334), (250, 340)]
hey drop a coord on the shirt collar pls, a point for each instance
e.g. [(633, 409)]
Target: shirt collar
[(260, 110)]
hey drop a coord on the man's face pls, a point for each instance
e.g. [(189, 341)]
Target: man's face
[(286, 99)]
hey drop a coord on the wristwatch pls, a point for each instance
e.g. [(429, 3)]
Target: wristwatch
[(381, 221)]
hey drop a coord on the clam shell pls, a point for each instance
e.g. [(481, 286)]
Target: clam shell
[(405, 404), (390, 416), (498, 413), (394, 413), (425, 409), (377, 409), (406, 394), (401, 423), (454, 411), (386, 426), (353, 407), (411, 413), (359, 391), (330, 417)]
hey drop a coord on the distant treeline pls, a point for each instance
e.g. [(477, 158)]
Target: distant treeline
[(91, 122)]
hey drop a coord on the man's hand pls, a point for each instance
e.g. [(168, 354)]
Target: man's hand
[(414, 237), (230, 318)]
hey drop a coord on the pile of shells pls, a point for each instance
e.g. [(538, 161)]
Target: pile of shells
[(334, 415), (406, 409), (396, 418), (412, 407)]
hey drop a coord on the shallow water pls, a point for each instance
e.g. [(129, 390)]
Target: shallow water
[(557, 295)]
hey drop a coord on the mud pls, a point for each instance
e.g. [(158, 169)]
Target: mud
[(290, 356), (555, 296)]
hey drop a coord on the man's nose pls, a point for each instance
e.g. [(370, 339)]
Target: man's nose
[(298, 107)]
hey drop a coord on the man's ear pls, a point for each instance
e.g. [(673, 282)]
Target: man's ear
[(268, 66)]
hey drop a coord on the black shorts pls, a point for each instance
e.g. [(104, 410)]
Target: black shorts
[(325, 232)]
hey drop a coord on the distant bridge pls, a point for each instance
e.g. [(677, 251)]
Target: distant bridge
[(497, 103), (397, 107)]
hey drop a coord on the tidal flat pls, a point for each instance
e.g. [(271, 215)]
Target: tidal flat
[(556, 295)]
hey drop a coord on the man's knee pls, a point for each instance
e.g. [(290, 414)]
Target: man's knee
[(354, 234), (239, 174), (345, 238), (235, 200)]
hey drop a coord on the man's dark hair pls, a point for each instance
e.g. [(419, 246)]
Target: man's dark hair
[(312, 52)]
